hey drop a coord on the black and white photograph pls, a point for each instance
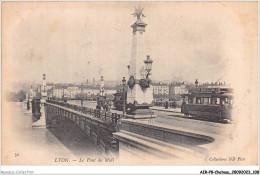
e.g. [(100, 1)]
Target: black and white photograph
[(129, 83)]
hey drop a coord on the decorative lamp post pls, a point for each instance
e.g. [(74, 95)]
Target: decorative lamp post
[(81, 94), (28, 102), (31, 93), (145, 81), (102, 86), (40, 92), (148, 65), (52, 91), (124, 84), (196, 82), (62, 93)]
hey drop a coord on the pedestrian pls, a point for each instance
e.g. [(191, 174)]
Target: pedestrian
[(183, 106), (166, 105), (28, 105), (174, 104), (98, 105), (109, 105)]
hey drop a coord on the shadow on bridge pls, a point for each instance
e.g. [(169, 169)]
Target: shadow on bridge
[(73, 138)]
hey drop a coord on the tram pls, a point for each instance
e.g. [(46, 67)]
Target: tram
[(212, 104)]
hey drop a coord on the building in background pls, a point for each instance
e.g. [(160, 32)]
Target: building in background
[(74, 91), (160, 92), (178, 88), (160, 88), (169, 92)]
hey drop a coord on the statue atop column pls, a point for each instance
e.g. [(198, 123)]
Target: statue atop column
[(138, 13)]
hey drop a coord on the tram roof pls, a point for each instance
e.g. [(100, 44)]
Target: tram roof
[(208, 95)]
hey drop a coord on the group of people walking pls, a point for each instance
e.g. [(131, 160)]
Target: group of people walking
[(172, 104), (104, 104)]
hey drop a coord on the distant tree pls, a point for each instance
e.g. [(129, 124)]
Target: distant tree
[(11, 96), (21, 95)]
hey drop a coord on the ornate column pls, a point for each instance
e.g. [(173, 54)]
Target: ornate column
[(140, 92), (44, 88)]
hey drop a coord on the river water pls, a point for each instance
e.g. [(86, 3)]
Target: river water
[(24, 144)]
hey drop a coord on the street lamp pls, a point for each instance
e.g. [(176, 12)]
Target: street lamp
[(124, 105), (196, 82), (62, 93), (52, 91), (81, 94), (148, 65), (102, 86), (40, 92)]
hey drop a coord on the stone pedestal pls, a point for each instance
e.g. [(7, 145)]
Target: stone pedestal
[(42, 121), (143, 116)]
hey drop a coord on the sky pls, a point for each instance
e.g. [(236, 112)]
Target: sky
[(72, 42)]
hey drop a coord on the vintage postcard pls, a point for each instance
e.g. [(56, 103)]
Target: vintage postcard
[(129, 83)]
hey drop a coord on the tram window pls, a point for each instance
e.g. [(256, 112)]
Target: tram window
[(198, 101), (218, 101), (213, 100), (223, 101), (228, 100), (206, 101)]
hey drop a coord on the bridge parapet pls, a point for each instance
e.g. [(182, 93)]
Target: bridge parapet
[(97, 124), (152, 140), (106, 116)]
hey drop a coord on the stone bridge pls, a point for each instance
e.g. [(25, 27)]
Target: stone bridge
[(127, 135)]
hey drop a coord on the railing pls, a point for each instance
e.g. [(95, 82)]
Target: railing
[(106, 116), (98, 124)]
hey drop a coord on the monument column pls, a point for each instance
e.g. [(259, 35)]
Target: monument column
[(44, 90), (31, 94), (140, 92)]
